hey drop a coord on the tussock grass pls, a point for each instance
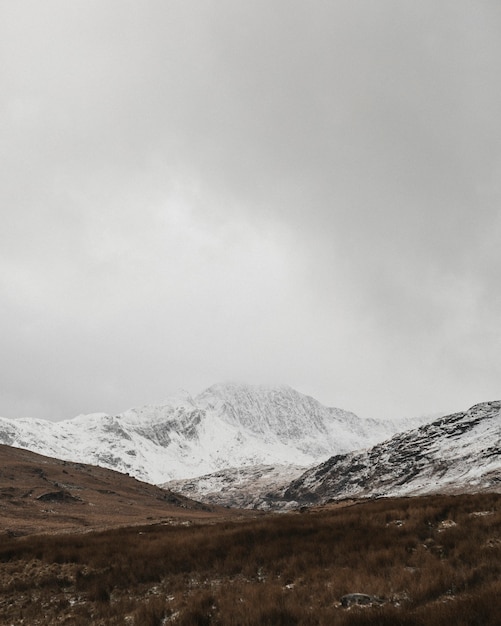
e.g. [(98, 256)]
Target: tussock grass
[(432, 560)]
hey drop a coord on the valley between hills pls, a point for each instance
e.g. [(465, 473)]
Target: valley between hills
[(406, 531)]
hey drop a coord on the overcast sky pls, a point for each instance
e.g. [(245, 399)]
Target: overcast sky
[(269, 191)]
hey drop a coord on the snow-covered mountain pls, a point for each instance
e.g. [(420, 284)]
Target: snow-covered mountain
[(253, 487), (456, 453), (228, 425)]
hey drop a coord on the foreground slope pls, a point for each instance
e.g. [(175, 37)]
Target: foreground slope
[(41, 494), (456, 453), (226, 426), (423, 561)]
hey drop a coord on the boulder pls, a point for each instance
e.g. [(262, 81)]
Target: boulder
[(359, 599)]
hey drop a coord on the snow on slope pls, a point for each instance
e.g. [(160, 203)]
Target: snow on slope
[(456, 453), (228, 425), (242, 487)]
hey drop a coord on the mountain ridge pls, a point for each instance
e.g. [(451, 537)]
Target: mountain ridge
[(455, 453), (227, 425)]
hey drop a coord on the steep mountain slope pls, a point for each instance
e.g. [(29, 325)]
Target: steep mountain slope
[(456, 453), (225, 426)]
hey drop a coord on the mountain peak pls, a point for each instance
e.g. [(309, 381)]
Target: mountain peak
[(232, 388), (228, 425)]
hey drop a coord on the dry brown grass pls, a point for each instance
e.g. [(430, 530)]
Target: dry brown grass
[(433, 561), (42, 494)]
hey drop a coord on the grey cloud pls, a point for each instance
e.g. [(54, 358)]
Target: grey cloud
[(200, 191)]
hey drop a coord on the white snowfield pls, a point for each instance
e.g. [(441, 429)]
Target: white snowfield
[(226, 426)]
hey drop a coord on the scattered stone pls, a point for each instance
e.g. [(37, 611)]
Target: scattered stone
[(481, 513), (445, 524)]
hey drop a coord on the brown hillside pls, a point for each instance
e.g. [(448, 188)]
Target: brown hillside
[(42, 494)]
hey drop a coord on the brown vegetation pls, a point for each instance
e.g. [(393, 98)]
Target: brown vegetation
[(427, 561), (42, 494)]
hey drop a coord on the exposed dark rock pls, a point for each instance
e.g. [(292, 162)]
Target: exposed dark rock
[(359, 599), (58, 496), (38, 471)]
